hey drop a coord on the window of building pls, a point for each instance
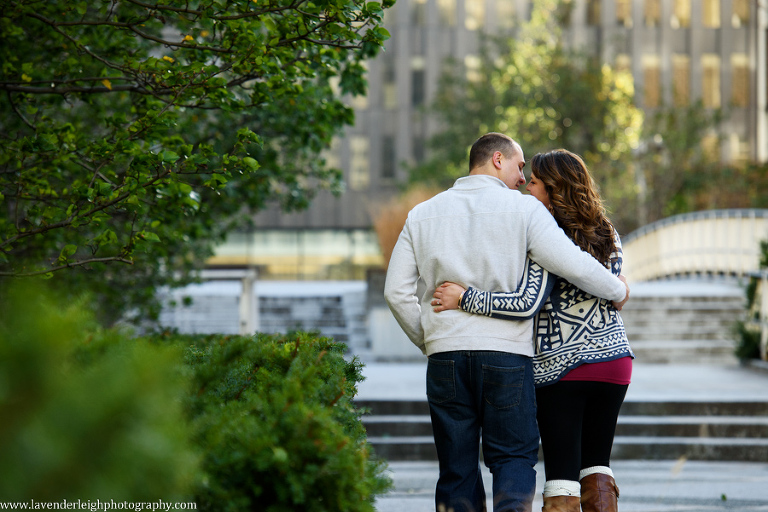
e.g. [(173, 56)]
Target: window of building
[(740, 77), (418, 12), (623, 63), (474, 17), (681, 14), (681, 86), (710, 63), (418, 87), (447, 12), (505, 13), (388, 157), (652, 81), (359, 168), (624, 12), (593, 12), (710, 147), (740, 14), (360, 101), (472, 67), (418, 148), (711, 13), (739, 148), (333, 153), (652, 13), (389, 86), (564, 12)]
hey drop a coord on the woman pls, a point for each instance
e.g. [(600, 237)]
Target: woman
[(583, 362)]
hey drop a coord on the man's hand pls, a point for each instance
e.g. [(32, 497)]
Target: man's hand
[(619, 305)]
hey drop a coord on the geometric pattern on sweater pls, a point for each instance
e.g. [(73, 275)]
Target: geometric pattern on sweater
[(571, 329), (524, 303), (575, 327)]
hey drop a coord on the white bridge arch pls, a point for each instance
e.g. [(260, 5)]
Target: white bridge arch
[(711, 242)]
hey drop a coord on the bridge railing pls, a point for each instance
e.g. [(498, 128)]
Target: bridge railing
[(712, 242)]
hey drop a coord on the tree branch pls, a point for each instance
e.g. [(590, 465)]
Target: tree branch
[(79, 46), (18, 113), (66, 222), (68, 265)]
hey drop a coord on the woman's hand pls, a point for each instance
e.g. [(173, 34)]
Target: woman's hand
[(447, 296)]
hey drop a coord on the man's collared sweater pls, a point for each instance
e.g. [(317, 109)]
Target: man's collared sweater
[(478, 233)]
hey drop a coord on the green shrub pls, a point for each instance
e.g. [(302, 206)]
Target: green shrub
[(111, 429), (747, 340), (274, 418), (747, 331), (234, 423)]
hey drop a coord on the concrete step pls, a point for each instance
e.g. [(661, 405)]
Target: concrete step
[(660, 332), (737, 431), (692, 448), (693, 426), (647, 426), (699, 321), (624, 448), (404, 408), (745, 408), (691, 351), (687, 301)]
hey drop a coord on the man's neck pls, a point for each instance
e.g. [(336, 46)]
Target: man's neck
[(485, 170)]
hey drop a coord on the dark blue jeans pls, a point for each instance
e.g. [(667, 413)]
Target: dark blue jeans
[(475, 394)]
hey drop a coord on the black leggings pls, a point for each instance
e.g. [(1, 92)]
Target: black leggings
[(577, 422)]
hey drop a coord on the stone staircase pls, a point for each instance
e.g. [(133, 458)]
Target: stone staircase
[(680, 321), (400, 430), (683, 321), (340, 315)]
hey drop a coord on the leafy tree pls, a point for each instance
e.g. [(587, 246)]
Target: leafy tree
[(546, 96), (134, 134), (679, 171)]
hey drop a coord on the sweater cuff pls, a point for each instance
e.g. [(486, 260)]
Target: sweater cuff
[(465, 298)]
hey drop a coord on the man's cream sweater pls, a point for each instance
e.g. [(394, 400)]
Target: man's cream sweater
[(477, 233)]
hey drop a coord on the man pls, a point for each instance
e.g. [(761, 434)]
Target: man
[(479, 369)]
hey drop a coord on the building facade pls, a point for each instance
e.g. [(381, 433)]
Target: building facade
[(678, 51)]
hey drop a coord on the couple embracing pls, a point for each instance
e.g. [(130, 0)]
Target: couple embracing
[(521, 328)]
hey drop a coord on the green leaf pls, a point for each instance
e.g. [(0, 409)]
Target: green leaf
[(250, 163), (67, 251), (149, 236), (169, 156), (382, 33)]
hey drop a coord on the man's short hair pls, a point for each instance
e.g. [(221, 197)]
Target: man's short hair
[(484, 148)]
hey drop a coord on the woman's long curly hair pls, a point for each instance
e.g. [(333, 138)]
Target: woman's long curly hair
[(575, 201)]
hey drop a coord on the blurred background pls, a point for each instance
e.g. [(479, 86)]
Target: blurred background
[(665, 99)]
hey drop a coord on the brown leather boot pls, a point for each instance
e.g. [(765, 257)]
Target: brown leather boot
[(599, 493), (561, 504)]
